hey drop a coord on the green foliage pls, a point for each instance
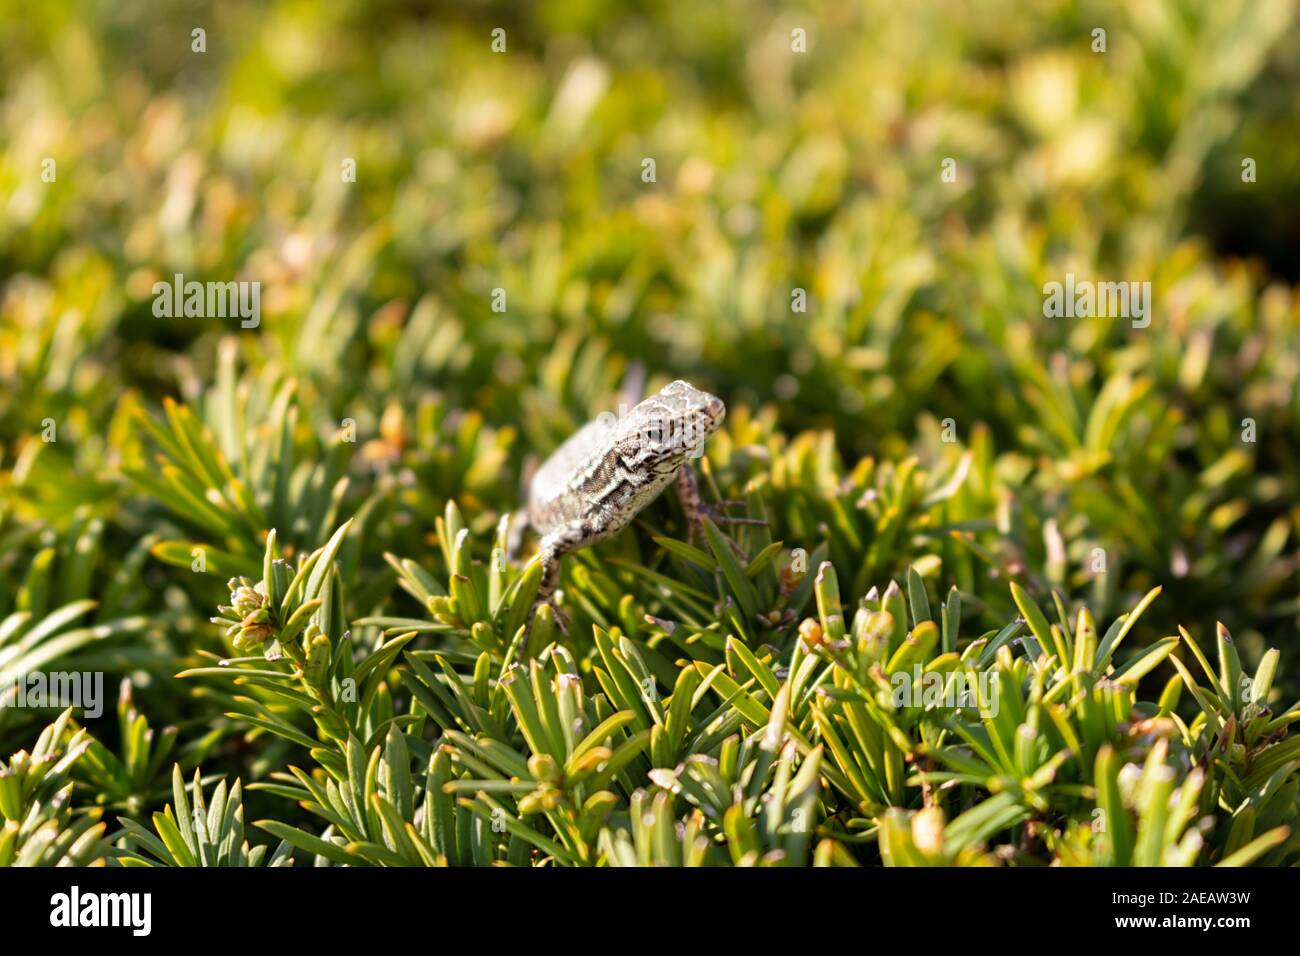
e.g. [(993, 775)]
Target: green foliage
[(41, 825), (196, 834), (132, 778), (973, 627)]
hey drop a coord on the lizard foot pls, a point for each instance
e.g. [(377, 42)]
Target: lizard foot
[(695, 524), (697, 509), (561, 617), (728, 519)]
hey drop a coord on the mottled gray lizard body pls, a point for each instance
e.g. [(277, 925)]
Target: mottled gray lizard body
[(602, 477)]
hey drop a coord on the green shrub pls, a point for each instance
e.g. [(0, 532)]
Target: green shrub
[(285, 544)]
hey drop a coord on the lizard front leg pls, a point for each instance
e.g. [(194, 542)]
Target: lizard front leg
[(553, 547), (696, 510)]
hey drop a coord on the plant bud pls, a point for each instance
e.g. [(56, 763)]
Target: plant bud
[(927, 831), (316, 648), (252, 633), (246, 600), (544, 767), (811, 632)]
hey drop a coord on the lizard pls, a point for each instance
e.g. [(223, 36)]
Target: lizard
[(601, 478)]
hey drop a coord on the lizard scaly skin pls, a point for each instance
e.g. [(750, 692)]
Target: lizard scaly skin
[(602, 477)]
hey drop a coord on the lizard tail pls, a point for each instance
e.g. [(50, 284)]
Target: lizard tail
[(511, 532)]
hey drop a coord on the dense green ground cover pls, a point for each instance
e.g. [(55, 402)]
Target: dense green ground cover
[(1099, 520)]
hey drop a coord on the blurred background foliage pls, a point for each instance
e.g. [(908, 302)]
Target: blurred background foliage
[(381, 384)]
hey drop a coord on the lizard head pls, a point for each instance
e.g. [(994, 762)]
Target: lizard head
[(670, 426)]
